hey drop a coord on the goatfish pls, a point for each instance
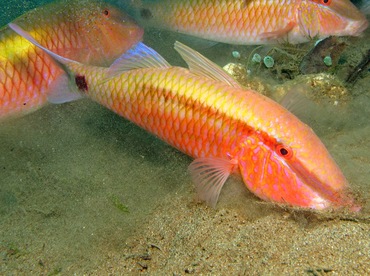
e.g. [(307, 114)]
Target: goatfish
[(203, 112), (251, 21), (87, 31)]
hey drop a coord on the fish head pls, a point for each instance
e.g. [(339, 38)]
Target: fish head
[(108, 31), (295, 169), (323, 18)]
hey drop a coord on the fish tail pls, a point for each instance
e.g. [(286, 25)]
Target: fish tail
[(62, 89), (61, 61)]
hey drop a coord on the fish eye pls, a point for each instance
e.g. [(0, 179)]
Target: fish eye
[(325, 2), (284, 151), (106, 12), (322, 2)]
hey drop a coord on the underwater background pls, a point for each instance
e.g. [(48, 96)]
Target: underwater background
[(83, 191)]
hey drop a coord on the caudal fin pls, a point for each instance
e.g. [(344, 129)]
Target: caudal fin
[(62, 61), (60, 91)]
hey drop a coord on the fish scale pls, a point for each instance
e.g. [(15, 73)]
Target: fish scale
[(199, 109), (202, 112)]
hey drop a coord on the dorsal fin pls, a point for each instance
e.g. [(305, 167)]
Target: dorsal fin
[(200, 65), (139, 56)]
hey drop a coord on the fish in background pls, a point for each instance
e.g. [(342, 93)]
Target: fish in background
[(89, 31), (207, 115), (250, 21)]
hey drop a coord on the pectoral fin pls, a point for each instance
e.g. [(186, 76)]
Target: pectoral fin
[(209, 175), (278, 33), (308, 22)]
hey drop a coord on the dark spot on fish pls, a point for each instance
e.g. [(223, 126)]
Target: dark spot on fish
[(146, 14), (24, 103), (81, 83), (245, 4)]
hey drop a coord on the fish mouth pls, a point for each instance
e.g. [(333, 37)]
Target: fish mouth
[(353, 20), (358, 26), (327, 196), (346, 9)]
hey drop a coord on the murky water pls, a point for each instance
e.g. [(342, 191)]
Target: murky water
[(84, 191)]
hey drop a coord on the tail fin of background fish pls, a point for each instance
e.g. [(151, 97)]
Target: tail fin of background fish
[(62, 90)]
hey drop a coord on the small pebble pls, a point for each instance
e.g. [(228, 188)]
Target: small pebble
[(268, 61), (328, 61), (236, 54), (256, 58)]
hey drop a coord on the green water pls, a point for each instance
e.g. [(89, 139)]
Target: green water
[(81, 188)]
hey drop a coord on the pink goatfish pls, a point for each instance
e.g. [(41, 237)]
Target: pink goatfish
[(251, 21), (88, 31), (206, 114)]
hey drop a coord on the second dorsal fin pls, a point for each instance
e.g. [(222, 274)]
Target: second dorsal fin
[(200, 65)]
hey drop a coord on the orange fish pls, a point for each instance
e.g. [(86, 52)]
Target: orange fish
[(206, 114), (88, 31), (251, 21)]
